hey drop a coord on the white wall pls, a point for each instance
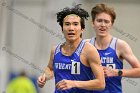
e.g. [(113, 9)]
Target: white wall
[(31, 30)]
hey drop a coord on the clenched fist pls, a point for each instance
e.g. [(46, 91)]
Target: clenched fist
[(41, 80)]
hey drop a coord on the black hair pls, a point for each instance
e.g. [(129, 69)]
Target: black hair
[(74, 10)]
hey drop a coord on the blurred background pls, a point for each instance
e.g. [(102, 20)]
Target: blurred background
[(28, 30)]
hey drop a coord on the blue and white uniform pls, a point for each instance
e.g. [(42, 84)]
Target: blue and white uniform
[(71, 68), (110, 59)]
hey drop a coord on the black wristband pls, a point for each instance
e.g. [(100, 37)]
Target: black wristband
[(120, 72)]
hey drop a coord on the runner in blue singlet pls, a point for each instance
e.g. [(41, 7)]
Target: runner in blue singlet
[(112, 50), (75, 63)]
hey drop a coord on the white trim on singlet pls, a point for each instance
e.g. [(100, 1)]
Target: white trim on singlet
[(92, 41), (112, 43), (79, 49), (57, 50)]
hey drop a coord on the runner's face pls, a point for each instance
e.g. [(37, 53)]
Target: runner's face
[(72, 27), (102, 24)]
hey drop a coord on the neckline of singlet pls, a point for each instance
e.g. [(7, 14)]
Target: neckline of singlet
[(106, 47), (77, 50)]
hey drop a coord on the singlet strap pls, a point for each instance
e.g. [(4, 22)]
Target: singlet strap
[(113, 43), (58, 48), (80, 47), (92, 41)]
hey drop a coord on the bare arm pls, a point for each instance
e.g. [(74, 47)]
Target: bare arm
[(49, 69), (127, 54), (48, 72), (95, 64)]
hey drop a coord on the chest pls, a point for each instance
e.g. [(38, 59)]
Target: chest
[(109, 58)]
